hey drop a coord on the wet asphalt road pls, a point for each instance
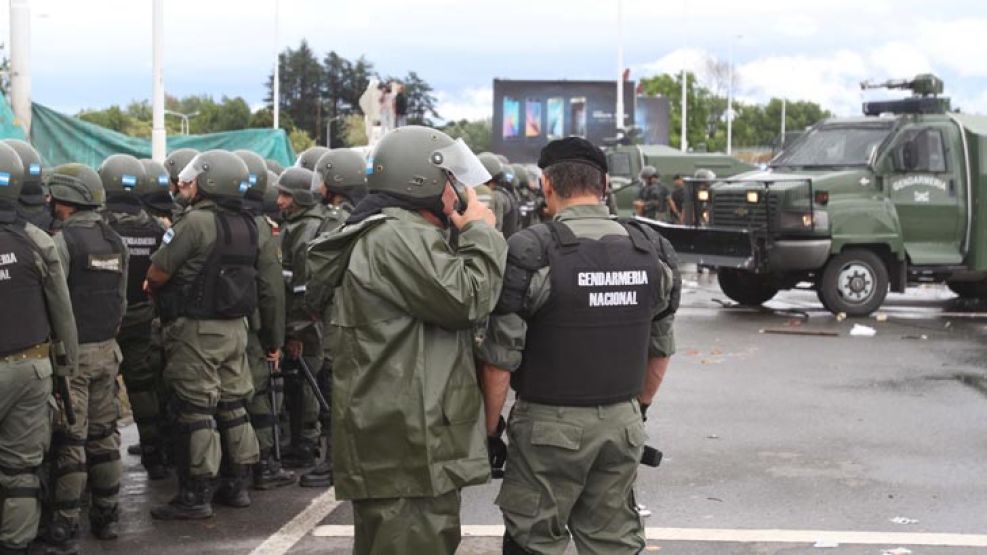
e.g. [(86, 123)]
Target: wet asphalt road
[(759, 430)]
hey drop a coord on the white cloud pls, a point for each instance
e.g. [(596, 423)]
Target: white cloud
[(474, 103), (953, 44), (691, 59), (898, 59)]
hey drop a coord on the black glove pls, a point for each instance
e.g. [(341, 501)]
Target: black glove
[(644, 411), (497, 450)]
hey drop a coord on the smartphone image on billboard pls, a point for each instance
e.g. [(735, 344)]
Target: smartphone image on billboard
[(512, 118), (577, 114), (556, 117), (532, 119)]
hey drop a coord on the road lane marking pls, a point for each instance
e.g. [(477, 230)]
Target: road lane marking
[(281, 541), (741, 536)]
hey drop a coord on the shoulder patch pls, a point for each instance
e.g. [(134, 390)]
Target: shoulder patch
[(168, 236)]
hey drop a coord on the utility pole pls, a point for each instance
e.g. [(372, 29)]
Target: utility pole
[(685, 111), (158, 134), (619, 115), (784, 102), (20, 63), (730, 99), (276, 96)]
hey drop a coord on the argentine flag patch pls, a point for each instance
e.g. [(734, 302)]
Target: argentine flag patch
[(370, 165), (4, 179), (128, 182), (168, 236), (34, 169)]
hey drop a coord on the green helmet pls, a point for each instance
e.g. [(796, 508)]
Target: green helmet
[(296, 182), (29, 158), (177, 160), (218, 173), (648, 172), (520, 176), (11, 173), (257, 173), (414, 162), (705, 175), (274, 166), (270, 204), (155, 177), (343, 171), (493, 164), (121, 173), (310, 157), (76, 184)]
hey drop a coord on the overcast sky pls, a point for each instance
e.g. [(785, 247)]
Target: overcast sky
[(91, 54)]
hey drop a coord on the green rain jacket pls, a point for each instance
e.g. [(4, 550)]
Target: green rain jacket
[(407, 412)]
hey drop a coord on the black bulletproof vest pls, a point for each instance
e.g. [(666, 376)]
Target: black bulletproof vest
[(589, 344), (226, 287), (25, 318), (37, 215), (95, 271), (142, 239)]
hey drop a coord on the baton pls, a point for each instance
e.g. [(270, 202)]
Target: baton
[(62, 383), (274, 410), (310, 378)]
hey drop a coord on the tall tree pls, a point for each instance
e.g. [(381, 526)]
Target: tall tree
[(301, 79), (421, 101)]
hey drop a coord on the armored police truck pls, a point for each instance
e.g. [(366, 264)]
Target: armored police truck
[(625, 163), (856, 206)]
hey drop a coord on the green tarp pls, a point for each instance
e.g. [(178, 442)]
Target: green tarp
[(61, 139), (8, 130)]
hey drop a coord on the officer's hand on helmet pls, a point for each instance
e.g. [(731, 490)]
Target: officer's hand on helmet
[(475, 210), (293, 348), (497, 450)]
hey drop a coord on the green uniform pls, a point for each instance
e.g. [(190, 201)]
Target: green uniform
[(92, 445), (299, 228), (266, 333), (25, 398), (206, 361), (407, 411), (554, 483)]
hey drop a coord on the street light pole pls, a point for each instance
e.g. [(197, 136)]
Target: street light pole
[(20, 63), (685, 111), (158, 133), (619, 116), (730, 100), (276, 95)]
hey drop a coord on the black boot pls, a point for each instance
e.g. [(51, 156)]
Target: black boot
[(268, 474), (193, 502), (232, 490), (318, 477), (103, 522), (152, 458), (134, 449), (61, 537), (301, 454)]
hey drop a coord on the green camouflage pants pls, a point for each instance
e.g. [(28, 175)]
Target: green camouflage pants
[(259, 407), (407, 525), (91, 448), (208, 371), (571, 470), (25, 430)]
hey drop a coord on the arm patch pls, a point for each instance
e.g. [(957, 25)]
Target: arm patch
[(527, 252)]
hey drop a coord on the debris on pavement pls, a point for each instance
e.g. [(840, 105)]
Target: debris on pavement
[(922, 337), (860, 330), (904, 520), (841, 316), (881, 317), (712, 436), (799, 331)]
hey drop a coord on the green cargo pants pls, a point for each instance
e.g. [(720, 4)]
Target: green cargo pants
[(208, 371), (25, 430), (91, 448), (571, 470), (407, 525), (142, 381), (259, 407)]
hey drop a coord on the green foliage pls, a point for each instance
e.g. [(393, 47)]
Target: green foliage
[(300, 140), (753, 124), (315, 94), (354, 130), (476, 134), (4, 71), (205, 116)]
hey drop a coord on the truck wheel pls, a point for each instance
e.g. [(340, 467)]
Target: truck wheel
[(855, 282), (747, 288)]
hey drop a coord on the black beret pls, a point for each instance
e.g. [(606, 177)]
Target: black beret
[(572, 149)]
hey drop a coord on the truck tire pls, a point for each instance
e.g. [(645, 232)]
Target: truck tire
[(747, 288), (854, 282), (968, 289)]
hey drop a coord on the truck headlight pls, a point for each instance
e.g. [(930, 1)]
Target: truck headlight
[(753, 197), (803, 221), (702, 196)]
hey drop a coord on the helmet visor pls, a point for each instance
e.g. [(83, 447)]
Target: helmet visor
[(196, 167), (460, 161)]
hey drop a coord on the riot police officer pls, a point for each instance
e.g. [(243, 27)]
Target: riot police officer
[(125, 181), (33, 202), (204, 280), (504, 203), (155, 195), (38, 327), (652, 199), (572, 284), (175, 163), (96, 261), (406, 421), (266, 333), (303, 216), (310, 157)]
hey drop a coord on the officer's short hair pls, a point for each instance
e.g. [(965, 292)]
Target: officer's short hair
[(574, 178)]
